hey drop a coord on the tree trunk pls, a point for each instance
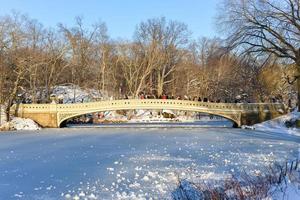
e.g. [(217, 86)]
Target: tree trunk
[(103, 66), (7, 111), (298, 85), (159, 84), (139, 88), (103, 78)]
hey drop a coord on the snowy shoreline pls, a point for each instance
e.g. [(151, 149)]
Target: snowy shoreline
[(279, 125), (19, 124), (281, 181)]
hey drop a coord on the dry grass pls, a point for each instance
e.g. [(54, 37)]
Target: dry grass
[(244, 187)]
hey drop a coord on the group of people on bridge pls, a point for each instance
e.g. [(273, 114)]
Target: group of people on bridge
[(189, 98)]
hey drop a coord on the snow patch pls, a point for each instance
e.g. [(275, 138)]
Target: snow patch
[(18, 123), (74, 94), (278, 125)]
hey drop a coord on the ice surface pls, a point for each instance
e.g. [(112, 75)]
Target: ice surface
[(130, 163)]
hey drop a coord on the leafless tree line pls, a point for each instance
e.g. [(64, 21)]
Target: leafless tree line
[(162, 58), (269, 28)]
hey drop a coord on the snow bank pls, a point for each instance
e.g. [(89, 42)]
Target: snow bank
[(153, 116), (113, 116), (20, 124), (278, 125), (273, 186), (74, 94)]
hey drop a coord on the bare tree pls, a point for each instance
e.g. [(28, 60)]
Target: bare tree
[(55, 69), (169, 38), (35, 54), (80, 41), (269, 26), (137, 62), (160, 59), (103, 54), (14, 62)]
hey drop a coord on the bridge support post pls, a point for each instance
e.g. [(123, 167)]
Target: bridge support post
[(54, 117)]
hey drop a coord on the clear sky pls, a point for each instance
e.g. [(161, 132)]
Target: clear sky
[(120, 16)]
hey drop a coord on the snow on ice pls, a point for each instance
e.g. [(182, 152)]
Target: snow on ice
[(130, 163)]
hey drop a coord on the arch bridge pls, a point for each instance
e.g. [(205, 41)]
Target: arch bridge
[(53, 115)]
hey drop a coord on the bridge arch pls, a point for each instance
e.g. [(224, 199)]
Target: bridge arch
[(63, 121), (154, 104)]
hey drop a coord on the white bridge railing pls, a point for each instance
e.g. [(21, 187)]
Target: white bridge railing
[(152, 103)]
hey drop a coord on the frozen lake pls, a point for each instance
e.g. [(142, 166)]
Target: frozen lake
[(123, 163)]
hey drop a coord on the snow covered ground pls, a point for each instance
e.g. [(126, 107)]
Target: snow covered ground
[(20, 124), (132, 163), (23, 124), (75, 94), (278, 125)]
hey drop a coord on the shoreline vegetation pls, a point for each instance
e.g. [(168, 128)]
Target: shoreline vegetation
[(279, 181)]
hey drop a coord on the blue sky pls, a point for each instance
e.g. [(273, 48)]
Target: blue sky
[(120, 16)]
